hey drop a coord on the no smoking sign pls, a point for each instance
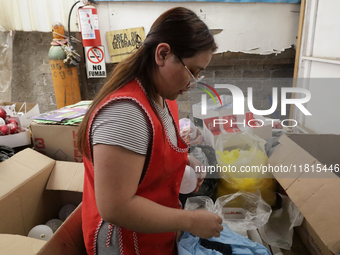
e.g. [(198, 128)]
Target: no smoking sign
[(95, 62)]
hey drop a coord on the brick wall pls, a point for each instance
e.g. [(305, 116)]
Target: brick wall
[(261, 72)]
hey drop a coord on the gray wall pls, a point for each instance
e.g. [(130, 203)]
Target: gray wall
[(32, 80)]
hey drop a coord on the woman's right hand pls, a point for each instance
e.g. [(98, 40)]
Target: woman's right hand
[(205, 224)]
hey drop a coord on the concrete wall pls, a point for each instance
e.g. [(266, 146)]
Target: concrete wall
[(32, 80), (31, 75)]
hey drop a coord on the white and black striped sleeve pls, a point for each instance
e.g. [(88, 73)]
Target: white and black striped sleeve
[(122, 123)]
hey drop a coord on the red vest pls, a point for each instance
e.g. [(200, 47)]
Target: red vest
[(160, 184)]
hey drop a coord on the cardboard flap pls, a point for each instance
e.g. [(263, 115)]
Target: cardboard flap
[(285, 155), (67, 176), (20, 168), (16, 244), (314, 193), (322, 211), (325, 147)]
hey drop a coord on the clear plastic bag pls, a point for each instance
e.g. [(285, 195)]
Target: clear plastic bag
[(198, 153), (255, 211), (239, 152), (240, 149), (189, 132), (278, 231)]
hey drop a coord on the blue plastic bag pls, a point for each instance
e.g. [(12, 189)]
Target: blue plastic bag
[(241, 245)]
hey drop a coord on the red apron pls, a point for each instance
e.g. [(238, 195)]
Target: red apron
[(160, 184)]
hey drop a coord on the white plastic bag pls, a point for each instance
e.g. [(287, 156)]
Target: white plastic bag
[(278, 231)]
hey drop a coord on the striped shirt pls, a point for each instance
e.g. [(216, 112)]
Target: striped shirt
[(125, 124)]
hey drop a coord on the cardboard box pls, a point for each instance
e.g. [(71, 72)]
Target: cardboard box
[(56, 141), (28, 110), (316, 194), (16, 140), (22, 138), (68, 240), (33, 189)]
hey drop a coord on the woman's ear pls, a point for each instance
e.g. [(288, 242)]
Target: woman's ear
[(161, 54)]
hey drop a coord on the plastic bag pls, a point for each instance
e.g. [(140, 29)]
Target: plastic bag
[(242, 156), (189, 132), (255, 211), (189, 244), (209, 185), (5, 152), (198, 153), (255, 214), (240, 149), (278, 232)]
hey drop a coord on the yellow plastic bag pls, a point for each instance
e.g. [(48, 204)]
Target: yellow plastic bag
[(241, 156)]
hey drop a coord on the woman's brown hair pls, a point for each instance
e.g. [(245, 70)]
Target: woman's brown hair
[(179, 27)]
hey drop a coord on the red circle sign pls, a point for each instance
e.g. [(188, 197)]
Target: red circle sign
[(95, 55)]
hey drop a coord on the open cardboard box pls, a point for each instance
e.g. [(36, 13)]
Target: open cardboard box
[(22, 138), (28, 110), (33, 188), (315, 194), (16, 140)]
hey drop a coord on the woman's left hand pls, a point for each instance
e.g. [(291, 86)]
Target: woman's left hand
[(198, 167)]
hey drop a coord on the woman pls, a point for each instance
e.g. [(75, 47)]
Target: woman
[(133, 155)]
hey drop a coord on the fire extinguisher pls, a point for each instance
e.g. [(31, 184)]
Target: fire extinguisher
[(89, 25), (94, 50), (63, 67)]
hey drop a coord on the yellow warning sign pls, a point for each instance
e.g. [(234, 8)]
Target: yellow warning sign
[(124, 42)]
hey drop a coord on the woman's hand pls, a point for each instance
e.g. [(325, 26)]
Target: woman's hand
[(205, 224), (198, 167)]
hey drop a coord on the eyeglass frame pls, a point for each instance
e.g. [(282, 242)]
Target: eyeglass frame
[(197, 80)]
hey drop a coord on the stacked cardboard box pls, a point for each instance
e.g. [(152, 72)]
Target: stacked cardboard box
[(56, 141)]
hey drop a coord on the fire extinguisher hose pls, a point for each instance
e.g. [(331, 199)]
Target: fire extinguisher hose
[(69, 21)]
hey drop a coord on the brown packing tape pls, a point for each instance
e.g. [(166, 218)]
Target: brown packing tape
[(68, 239)]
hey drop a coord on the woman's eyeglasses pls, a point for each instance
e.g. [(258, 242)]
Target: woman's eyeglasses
[(193, 79)]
